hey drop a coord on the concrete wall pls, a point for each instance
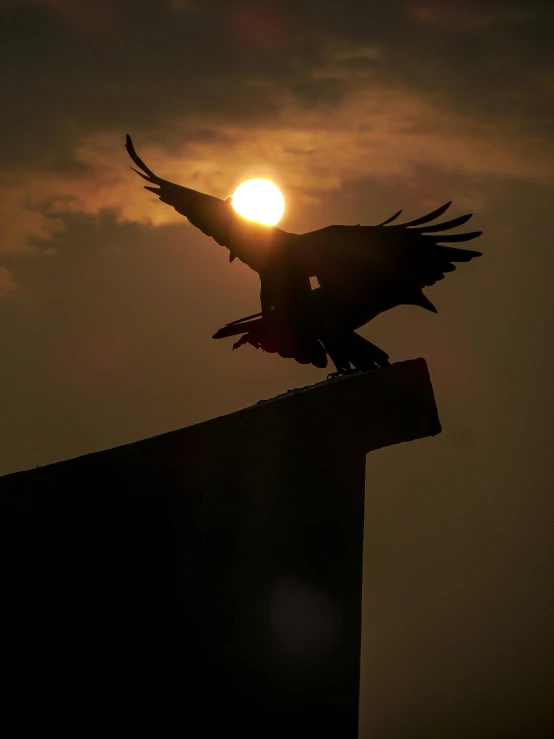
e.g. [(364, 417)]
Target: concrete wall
[(208, 579)]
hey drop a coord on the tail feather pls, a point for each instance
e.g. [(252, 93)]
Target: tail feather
[(422, 300)]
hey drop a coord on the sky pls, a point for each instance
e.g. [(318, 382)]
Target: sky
[(109, 298)]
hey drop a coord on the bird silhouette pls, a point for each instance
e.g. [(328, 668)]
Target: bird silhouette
[(358, 284), (362, 271)]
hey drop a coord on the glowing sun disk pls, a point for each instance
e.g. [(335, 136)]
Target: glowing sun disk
[(259, 200)]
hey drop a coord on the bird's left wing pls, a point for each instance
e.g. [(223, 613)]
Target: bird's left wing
[(410, 255)]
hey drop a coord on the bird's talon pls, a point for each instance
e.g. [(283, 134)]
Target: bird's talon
[(339, 373)]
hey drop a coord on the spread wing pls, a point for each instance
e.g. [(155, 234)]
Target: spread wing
[(353, 261), (253, 243)]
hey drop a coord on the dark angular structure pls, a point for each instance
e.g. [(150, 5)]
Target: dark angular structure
[(206, 582)]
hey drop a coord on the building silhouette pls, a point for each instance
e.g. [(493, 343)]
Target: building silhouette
[(206, 581)]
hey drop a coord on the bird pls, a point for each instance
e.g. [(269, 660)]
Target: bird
[(362, 271), (365, 279)]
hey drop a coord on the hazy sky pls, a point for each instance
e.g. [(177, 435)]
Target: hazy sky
[(108, 298)]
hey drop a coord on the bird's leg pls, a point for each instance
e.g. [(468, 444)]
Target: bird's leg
[(341, 363)]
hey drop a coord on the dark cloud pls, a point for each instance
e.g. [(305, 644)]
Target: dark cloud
[(133, 65), (159, 63)]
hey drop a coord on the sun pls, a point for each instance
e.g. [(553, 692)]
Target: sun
[(259, 200)]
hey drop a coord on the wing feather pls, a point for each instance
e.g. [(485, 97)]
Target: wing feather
[(138, 161), (391, 219), (453, 238), (430, 216), (446, 226)]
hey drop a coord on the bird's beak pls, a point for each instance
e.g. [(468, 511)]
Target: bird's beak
[(231, 256)]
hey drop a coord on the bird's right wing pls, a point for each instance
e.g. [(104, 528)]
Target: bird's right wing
[(251, 242)]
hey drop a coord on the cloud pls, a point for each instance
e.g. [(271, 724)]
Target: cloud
[(381, 133), (348, 92), (163, 64)]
